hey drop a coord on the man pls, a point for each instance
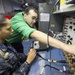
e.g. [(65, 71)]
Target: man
[(23, 25)]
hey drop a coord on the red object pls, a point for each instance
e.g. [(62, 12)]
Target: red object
[(8, 16)]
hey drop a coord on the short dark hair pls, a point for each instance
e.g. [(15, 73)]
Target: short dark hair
[(27, 9), (2, 20)]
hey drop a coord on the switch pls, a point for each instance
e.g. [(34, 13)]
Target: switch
[(73, 29), (70, 27)]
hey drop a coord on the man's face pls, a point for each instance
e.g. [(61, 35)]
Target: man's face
[(6, 31), (31, 17)]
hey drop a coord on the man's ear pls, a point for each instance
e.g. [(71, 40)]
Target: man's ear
[(25, 15)]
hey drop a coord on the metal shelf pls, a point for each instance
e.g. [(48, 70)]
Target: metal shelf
[(69, 9)]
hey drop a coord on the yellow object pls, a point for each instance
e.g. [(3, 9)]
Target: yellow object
[(62, 2), (4, 55), (23, 37)]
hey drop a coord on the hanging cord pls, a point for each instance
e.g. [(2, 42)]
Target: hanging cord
[(49, 26), (62, 71), (50, 15), (50, 19)]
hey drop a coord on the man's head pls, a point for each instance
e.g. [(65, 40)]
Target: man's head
[(5, 28), (30, 15)]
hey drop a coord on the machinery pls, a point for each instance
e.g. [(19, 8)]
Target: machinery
[(50, 22)]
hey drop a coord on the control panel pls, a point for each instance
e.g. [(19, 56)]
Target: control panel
[(69, 38), (69, 30)]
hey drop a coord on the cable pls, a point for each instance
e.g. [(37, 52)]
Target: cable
[(50, 19), (49, 28), (66, 71), (55, 61), (49, 60)]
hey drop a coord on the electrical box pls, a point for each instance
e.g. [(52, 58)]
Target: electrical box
[(44, 16)]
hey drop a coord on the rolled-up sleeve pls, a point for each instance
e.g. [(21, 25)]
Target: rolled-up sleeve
[(21, 27)]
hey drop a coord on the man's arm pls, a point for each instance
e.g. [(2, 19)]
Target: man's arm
[(42, 37)]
